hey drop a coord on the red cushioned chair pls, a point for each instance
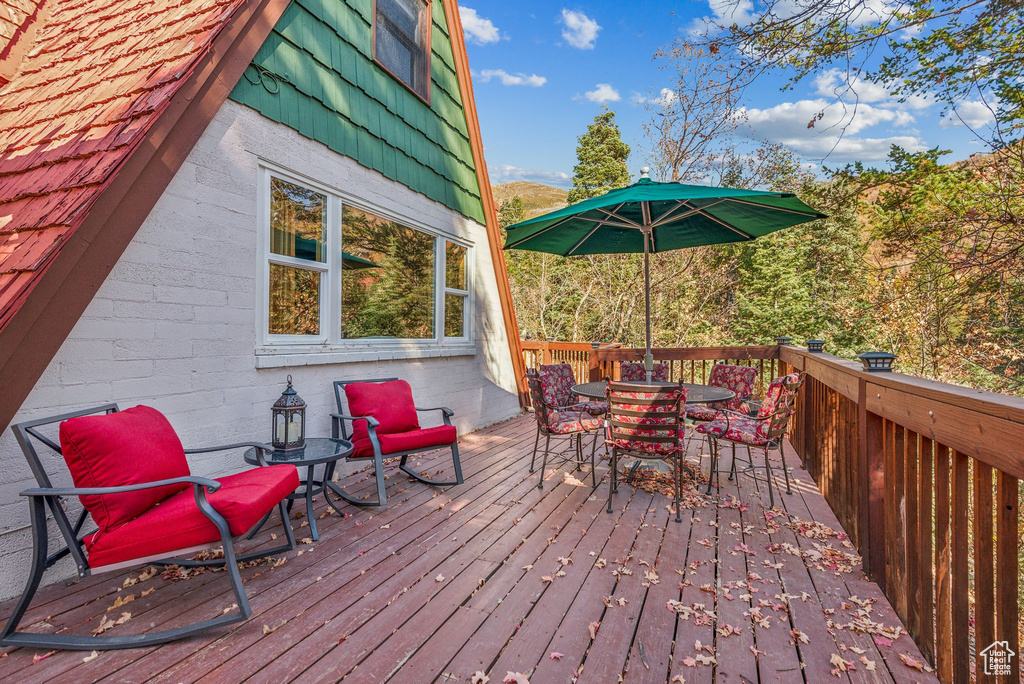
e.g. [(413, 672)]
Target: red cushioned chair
[(646, 422), (560, 420), (634, 371), (384, 422), (132, 478), (764, 430)]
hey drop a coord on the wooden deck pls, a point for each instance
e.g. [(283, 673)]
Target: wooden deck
[(498, 576)]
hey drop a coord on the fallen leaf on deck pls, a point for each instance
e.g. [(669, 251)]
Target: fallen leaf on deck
[(600, 563), (121, 600), (882, 641), (678, 679), (593, 629), (527, 567), (689, 661), (439, 578), (36, 658), (840, 665), (799, 636), (621, 601), (555, 655), (147, 592), (92, 656), (547, 578), (229, 609), (384, 527), (479, 678), (515, 678), (912, 662), (869, 665), (564, 561)]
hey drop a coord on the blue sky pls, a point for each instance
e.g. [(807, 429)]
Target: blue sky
[(541, 71)]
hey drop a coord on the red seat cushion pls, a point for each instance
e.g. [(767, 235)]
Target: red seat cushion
[(389, 402), (124, 448), (177, 523), (439, 436)]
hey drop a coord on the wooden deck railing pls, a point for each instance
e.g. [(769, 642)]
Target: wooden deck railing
[(923, 475)]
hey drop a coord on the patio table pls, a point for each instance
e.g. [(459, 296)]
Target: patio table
[(695, 394), (324, 451)]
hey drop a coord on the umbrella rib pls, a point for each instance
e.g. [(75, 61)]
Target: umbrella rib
[(678, 204), (768, 206), (612, 214), (722, 223), (539, 232), (585, 238), (689, 212)]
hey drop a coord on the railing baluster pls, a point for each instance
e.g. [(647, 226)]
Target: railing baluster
[(1007, 564), (959, 578), (984, 575), (925, 480), (943, 566)]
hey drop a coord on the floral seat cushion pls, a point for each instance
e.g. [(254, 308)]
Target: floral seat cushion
[(633, 371), (648, 425), (570, 422), (701, 412), (749, 431), (739, 379), (595, 407)]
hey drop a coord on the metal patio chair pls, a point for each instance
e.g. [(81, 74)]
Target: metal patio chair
[(384, 423), (558, 379), (646, 422), (560, 420), (634, 371), (152, 522), (766, 430)]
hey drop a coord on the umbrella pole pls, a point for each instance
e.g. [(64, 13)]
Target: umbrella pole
[(648, 356)]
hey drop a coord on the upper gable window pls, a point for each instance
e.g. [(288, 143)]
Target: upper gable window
[(402, 42)]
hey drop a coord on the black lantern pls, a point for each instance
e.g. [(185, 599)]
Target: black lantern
[(877, 362), (288, 421), (815, 345), (783, 341)]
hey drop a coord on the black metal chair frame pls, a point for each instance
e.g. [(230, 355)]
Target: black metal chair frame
[(614, 424), (779, 423), (48, 496), (541, 409), (339, 429)]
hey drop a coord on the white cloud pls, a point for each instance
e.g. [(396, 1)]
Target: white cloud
[(506, 173), (508, 79), (742, 12), (974, 113), (603, 93), (834, 135), (831, 83), (732, 11), (478, 29), (580, 30), (665, 98)]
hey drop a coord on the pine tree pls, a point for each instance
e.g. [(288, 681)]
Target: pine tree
[(602, 159), (511, 211)]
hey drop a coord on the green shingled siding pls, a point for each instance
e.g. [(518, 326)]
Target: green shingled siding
[(332, 91)]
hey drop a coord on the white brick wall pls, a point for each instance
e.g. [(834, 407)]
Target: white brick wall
[(174, 326)]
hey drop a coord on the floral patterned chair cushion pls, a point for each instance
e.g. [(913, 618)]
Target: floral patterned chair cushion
[(739, 379), (750, 431), (743, 430), (570, 422), (559, 420), (633, 371), (649, 426), (557, 380)]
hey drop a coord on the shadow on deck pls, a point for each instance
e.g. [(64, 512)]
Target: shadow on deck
[(498, 576)]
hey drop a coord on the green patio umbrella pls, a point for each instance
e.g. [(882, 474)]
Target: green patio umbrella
[(658, 217), (354, 262)]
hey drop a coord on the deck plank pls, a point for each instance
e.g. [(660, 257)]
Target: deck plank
[(365, 604)]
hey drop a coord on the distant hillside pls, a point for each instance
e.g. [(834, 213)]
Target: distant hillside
[(537, 199)]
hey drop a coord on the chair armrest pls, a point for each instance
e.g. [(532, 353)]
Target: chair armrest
[(259, 446), (371, 422), (207, 483), (444, 409)]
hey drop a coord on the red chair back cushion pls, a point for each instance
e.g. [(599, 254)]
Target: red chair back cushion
[(128, 447), (389, 402)]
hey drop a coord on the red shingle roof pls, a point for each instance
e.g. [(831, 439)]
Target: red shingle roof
[(98, 75)]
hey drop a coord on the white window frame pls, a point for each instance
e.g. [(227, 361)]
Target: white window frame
[(330, 338), (466, 294)]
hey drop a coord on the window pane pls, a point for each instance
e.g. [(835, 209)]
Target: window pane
[(387, 278), (294, 301), (298, 220), (400, 43), (454, 315), (455, 266)]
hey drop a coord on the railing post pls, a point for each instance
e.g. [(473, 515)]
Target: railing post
[(871, 468), (546, 352), (594, 364)]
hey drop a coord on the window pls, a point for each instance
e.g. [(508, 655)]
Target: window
[(456, 293), (337, 273), (401, 42), (389, 292)]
